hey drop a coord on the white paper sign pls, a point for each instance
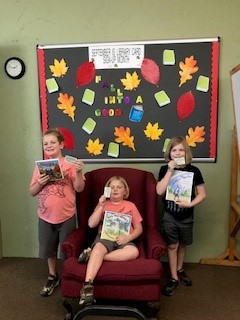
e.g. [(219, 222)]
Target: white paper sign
[(117, 56)]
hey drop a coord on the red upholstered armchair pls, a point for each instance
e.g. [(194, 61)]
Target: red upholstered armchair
[(134, 280)]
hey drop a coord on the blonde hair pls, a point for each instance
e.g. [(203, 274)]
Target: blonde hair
[(123, 181), (175, 141)]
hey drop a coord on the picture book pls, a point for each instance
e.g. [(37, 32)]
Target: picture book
[(51, 167), (180, 186), (115, 225)]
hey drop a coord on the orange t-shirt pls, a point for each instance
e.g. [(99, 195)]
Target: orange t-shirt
[(57, 199)]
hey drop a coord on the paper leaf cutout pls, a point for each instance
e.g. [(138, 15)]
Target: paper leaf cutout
[(188, 68), (152, 131), (195, 136), (185, 105), (131, 82), (59, 68), (124, 136), (85, 73), (94, 147), (150, 71), (69, 142), (66, 104)]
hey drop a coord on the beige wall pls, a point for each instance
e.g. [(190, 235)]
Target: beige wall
[(25, 23)]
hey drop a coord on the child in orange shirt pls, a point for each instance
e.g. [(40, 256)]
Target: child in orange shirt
[(123, 248), (56, 204)]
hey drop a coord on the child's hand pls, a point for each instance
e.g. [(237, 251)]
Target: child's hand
[(122, 240), (171, 165), (102, 200), (78, 165), (43, 179), (183, 204)]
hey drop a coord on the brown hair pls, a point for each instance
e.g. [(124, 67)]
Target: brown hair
[(175, 141), (55, 133), (123, 181)]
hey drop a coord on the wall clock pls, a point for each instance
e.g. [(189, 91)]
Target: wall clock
[(15, 68)]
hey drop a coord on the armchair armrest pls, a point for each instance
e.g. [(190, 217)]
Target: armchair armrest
[(156, 246), (74, 243)]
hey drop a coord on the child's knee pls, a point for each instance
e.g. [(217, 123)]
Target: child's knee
[(172, 247)]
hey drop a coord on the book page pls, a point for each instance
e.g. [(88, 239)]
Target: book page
[(50, 167), (115, 225), (180, 186)]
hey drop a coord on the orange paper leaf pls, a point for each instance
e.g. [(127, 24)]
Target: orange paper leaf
[(124, 136), (188, 68), (66, 105), (195, 136)]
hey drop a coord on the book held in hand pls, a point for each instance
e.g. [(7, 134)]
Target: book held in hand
[(180, 186), (51, 167), (115, 225)]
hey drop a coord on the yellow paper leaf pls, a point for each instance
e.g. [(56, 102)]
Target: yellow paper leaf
[(59, 68), (153, 132), (131, 82), (124, 136), (94, 147)]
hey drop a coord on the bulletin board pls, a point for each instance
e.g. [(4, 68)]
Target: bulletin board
[(123, 101)]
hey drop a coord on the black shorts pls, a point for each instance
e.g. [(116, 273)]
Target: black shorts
[(111, 245), (52, 235), (175, 231)]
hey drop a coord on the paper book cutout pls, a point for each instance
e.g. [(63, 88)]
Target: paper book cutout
[(70, 159), (113, 149), (88, 97), (115, 225), (166, 142), (51, 167), (107, 192), (168, 57), (180, 186), (180, 161), (89, 125), (202, 84), (136, 113), (52, 85), (162, 98)]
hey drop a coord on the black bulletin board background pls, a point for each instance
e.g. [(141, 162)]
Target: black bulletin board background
[(205, 112)]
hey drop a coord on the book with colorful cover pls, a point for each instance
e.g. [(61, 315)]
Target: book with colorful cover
[(51, 167), (180, 186), (115, 225)]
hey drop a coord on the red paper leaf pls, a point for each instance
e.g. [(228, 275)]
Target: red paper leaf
[(85, 73), (185, 105), (150, 71), (69, 142)]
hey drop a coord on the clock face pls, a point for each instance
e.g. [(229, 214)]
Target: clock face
[(15, 68)]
